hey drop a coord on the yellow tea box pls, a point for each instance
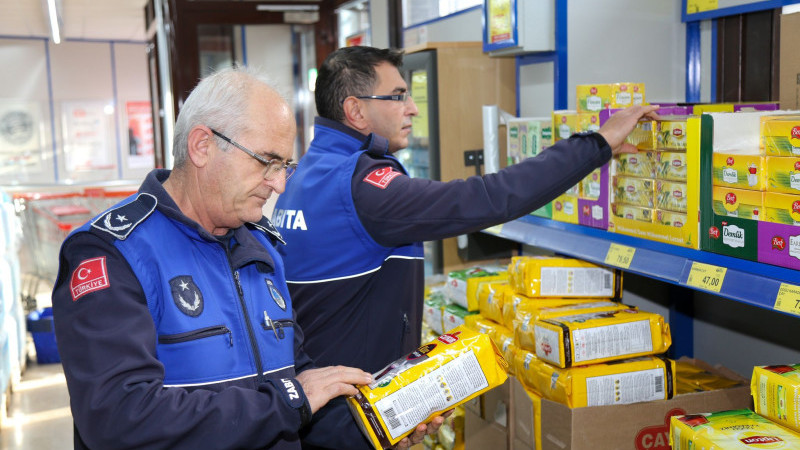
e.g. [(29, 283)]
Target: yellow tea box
[(632, 212), (634, 191), (670, 218), (729, 430), (671, 195), (593, 97), (742, 203), (590, 185), (739, 171), (627, 94), (592, 338), (588, 121), (563, 277), (781, 208), (642, 164), (643, 135), (438, 376), (524, 323), (776, 393), (781, 135), (671, 166), (647, 378), (491, 295), (783, 174), (565, 208), (671, 134), (565, 124)]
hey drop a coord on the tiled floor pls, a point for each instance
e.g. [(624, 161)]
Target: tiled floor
[(38, 413)]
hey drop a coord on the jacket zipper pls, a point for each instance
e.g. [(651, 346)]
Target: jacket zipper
[(276, 325), (250, 333), (196, 334)]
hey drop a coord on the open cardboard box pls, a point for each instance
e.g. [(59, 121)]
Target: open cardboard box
[(637, 426)]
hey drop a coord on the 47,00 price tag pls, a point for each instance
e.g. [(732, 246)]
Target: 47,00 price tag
[(620, 256), (706, 276), (788, 299)]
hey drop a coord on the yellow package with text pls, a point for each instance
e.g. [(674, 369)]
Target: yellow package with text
[(632, 212), (781, 208), (562, 277), (671, 195), (671, 165), (781, 135), (592, 338), (729, 430), (642, 379), (739, 171), (491, 296), (742, 203), (444, 373), (634, 191), (776, 393), (783, 174), (518, 302), (641, 164), (669, 218)]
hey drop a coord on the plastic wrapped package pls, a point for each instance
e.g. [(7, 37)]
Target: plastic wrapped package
[(491, 296), (729, 430), (545, 276), (776, 393), (436, 377), (600, 336)]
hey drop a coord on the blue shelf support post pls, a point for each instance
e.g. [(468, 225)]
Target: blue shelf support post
[(693, 62), (681, 321)]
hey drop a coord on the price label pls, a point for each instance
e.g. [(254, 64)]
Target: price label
[(495, 229), (788, 299), (706, 276), (620, 255)]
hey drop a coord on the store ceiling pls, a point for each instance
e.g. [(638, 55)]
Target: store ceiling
[(82, 19)]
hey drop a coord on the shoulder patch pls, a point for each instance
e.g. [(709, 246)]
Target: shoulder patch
[(266, 226), (90, 275), (382, 177), (120, 221)]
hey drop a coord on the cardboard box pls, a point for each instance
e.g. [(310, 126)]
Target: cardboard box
[(481, 435), (638, 426), (789, 75)]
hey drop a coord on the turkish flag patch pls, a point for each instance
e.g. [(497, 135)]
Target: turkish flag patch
[(381, 177), (90, 275)]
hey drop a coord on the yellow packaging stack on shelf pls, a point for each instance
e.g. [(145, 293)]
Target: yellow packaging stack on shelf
[(491, 298), (561, 277), (462, 285)]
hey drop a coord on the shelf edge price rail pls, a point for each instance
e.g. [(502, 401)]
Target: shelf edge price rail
[(620, 256)]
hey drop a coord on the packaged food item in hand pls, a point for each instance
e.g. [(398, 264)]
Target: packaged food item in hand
[(444, 373)]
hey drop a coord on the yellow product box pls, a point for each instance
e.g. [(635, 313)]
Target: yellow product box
[(729, 430), (781, 135), (781, 208), (776, 393), (647, 378), (632, 212), (643, 135), (627, 94), (634, 191), (593, 97), (517, 303), (670, 218), (642, 164), (671, 165), (590, 185), (671, 195), (742, 203), (783, 174), (462, 285), (671, 134), (592, 338), (565, 208), (739, 171), (588, 121), (553, 276), (524, 323), (712, 107), (491, 296), (565, 124), (438, 376)]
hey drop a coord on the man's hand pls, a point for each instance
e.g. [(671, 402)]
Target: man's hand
[(418, 435), (620, 125), (323, 384)]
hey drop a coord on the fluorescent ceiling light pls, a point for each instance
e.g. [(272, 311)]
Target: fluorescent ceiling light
[(55, 19), (284, 8)]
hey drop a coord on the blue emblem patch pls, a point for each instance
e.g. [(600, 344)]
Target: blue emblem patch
[(187, 295), (276, 294)]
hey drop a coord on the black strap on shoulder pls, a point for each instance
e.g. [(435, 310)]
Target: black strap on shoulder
[(119, 222)]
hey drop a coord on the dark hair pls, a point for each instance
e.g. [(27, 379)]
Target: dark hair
[(349, 71)]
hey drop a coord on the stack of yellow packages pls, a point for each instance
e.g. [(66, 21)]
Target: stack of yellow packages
[(775, 423), (584, 351)]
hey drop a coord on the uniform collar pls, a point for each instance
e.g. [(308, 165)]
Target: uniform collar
[(372, 143)]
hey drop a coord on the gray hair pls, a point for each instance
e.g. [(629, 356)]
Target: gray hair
[(220, 101)]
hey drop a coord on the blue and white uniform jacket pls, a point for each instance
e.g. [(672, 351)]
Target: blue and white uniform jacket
[(173, 338), (353, 221)]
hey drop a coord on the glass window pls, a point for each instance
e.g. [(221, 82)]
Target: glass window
[(418, 11)]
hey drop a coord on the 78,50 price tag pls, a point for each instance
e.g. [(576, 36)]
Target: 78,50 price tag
[(706, 276), (620, 256), (788, 299)]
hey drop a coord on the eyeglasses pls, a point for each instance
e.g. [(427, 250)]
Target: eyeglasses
[(271, 166), (405, 96)]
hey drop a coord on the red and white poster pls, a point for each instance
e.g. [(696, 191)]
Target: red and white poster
[(140, 134)]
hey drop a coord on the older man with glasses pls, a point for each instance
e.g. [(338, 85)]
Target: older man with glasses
[(354, 220), (173, 319)]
